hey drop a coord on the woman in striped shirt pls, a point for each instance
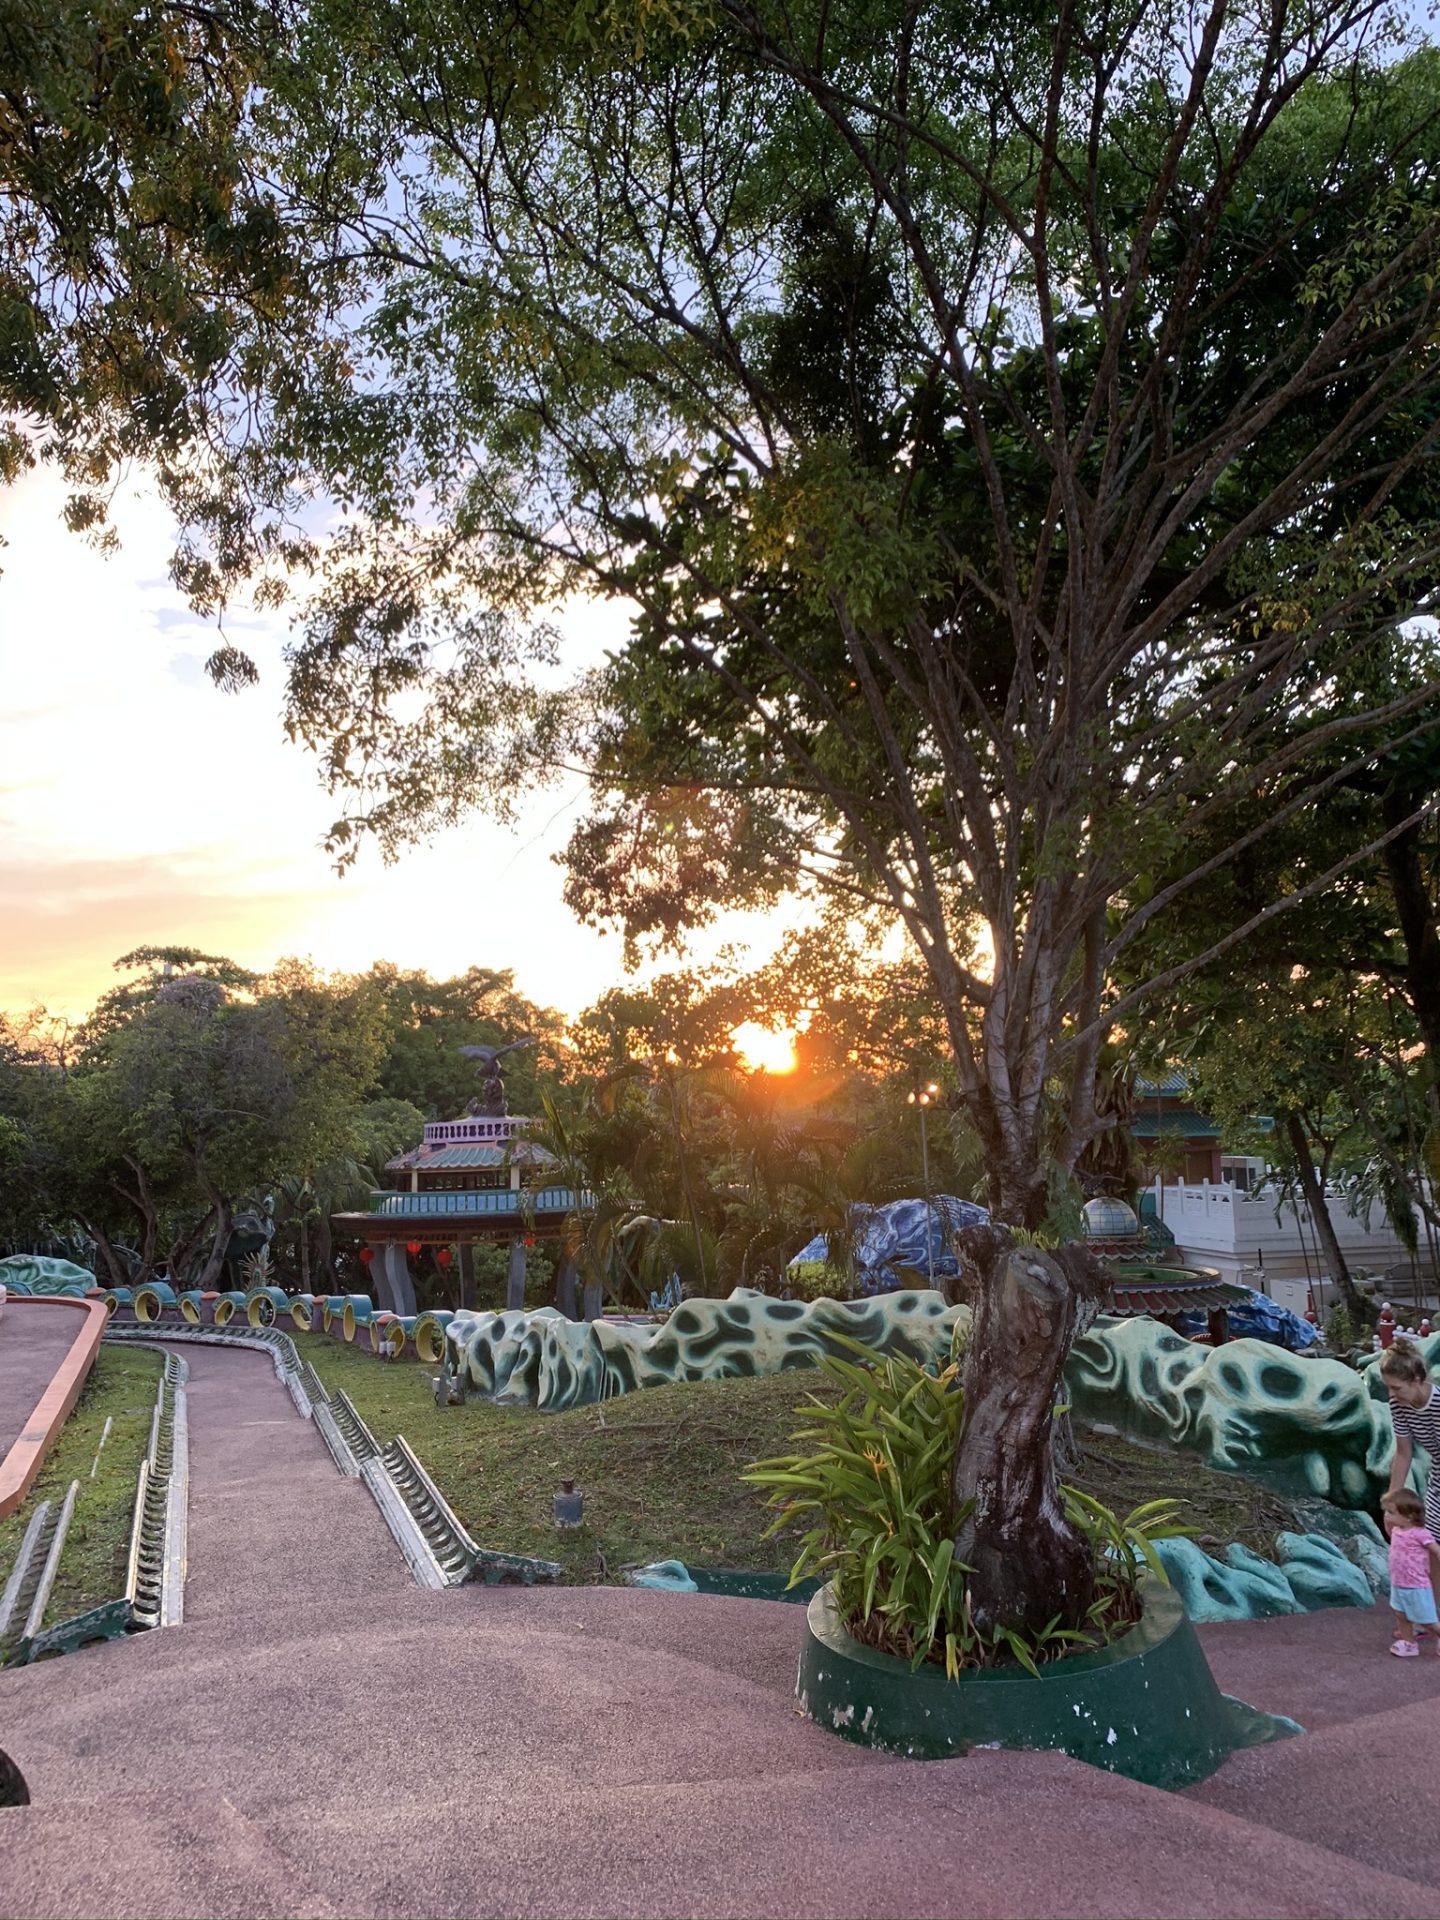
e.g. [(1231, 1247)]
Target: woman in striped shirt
[(1415, 1410)]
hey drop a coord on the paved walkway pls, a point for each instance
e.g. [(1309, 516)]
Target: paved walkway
[(323, 1738), (35, 1336)]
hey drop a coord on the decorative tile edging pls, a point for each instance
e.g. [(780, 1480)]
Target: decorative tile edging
[(27, 1591), (154, 1594), (155, 1581), (436, 1547)]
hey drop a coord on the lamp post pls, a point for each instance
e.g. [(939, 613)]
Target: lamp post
[(921, 1097)]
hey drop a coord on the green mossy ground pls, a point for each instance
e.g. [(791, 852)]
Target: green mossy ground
[(122, 1387), (660, 1469)]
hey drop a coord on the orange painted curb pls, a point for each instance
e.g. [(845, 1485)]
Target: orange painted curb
[(21, 1464)]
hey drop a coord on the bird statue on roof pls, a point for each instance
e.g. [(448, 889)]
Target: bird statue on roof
[(490, 1104)]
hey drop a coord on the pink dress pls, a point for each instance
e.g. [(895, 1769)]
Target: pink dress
[(1409, 1558)]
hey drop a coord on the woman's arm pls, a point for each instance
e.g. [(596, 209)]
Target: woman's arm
[(1400, 1465)]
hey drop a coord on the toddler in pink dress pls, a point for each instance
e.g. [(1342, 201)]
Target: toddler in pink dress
[(1414, 1555)]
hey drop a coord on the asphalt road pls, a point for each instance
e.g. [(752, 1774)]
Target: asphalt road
[(35, 1337)]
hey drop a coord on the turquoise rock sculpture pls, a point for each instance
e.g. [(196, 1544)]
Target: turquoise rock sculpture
[(1309, 1573), (1369, 1363), (545, 1360), (1311, 1427), (29, 1273), (1308, 1426), (663, 1576)]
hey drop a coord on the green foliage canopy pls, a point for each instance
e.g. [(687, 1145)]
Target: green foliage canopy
[(1005, 428)]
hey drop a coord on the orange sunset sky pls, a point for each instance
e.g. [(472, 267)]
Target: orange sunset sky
[(140, 806)]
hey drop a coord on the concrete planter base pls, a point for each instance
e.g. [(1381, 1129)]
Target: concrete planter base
[(1146, 1706)]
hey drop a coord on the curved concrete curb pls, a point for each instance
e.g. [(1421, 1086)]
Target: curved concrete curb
[(23, 1462), (279, 1346)]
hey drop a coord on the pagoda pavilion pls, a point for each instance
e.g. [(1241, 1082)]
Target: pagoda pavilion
[(470, 1180)]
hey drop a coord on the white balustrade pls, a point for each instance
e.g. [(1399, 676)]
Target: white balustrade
[(1219, 1225)]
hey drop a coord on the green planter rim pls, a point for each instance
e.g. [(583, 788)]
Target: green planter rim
[(1161, 1612)]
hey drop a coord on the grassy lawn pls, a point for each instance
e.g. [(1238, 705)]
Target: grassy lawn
[(660, 1469), (121, 1387)]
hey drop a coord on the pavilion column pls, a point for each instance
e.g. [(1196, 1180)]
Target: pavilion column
[(515, 1281), (467, 1277), (565, 1287), (390, 1270)]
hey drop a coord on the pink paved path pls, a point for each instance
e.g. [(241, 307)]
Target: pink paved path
[(321, 1737), (34, 1338)]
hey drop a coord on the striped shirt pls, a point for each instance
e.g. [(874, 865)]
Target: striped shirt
[(1421, 1425)]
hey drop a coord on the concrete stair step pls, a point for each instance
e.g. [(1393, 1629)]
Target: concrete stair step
[(990, 1836), (1007, 1833), (1363, 1789), (164, 1857)]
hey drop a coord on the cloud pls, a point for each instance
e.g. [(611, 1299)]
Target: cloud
[(144, 807), (66, 921)]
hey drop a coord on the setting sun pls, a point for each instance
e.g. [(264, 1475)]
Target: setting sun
[(759, 1048)]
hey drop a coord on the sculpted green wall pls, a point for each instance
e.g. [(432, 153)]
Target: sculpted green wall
[(1313, 1428), (544, 1360), (1308, 1426)]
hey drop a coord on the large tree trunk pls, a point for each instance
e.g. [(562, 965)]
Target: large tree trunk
[(1418, 917), (109, 1259), (1030, 1564), (215, 1262), (182, 1251), (325, 1250), (1018, 1193), (140, 1199), (1312, 1186)]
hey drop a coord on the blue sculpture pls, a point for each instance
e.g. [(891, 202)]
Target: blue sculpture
[(35, 1273), (669, 1296), (1257, 1317), (893, 1237)]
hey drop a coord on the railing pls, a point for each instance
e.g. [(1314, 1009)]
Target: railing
[(1220, 1217), (500, 1200), (491, 1131)]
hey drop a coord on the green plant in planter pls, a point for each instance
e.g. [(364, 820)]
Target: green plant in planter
[(876, 1488), (1342, 1332)]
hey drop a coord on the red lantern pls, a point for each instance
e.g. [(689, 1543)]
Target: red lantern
[(412, 1247), (443, 1257), (529, 1239), (367, 1254)]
